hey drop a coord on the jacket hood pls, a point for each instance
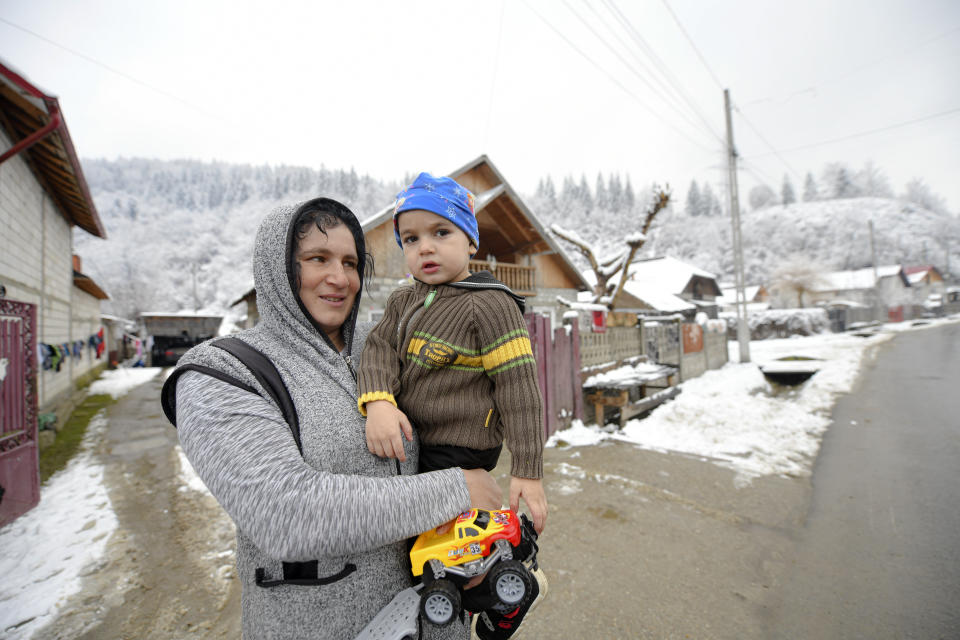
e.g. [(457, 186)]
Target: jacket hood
[(278, 303)]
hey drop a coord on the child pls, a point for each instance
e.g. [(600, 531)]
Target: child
[(452, 356)]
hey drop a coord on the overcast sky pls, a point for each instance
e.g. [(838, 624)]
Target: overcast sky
[(541, 86)]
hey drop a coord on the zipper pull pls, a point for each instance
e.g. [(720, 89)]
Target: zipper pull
[(349, 361), (429, 300)]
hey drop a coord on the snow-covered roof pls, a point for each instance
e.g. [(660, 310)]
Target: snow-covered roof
[(656, 297), (914, 278), (858, 279), (667, 273), (730, 294)]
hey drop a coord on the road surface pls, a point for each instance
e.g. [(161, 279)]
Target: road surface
[(879, 556)]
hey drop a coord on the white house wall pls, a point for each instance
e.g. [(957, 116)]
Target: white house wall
[(36, 267)]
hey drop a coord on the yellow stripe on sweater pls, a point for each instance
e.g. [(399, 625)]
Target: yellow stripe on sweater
[(516, 348), (372, 396)]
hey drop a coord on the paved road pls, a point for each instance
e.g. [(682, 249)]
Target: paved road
[(879, 556)]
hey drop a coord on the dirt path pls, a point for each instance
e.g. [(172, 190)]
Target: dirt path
[(168, 571), (639, 544)]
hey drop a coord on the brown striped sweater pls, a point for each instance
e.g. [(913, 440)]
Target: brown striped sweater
[(460, 367)]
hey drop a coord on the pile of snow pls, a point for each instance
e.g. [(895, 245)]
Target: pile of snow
[(47, 551), (733, 417)]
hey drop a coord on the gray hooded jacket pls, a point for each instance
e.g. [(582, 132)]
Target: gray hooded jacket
[(335, 517)]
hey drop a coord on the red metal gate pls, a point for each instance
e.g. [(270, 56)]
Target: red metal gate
[(19, 465), (558, 368)]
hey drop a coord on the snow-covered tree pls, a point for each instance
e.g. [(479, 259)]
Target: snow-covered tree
[(615, 191), (838, 181), (787, 195), (810, 192), (871, 181), (629, 201), (762, 196), (918, 192), (601, 198), (606, 292), (694, 203), (711, 204), (798, 274)]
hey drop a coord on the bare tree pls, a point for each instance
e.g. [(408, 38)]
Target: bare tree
[(799, 275), (606, 292)]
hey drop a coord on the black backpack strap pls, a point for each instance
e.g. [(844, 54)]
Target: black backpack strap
[(168, 396), (269, 378)]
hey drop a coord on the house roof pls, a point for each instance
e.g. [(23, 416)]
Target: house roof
[(670, 274), (656, 296), (857, 279), (26, 111), (730, 294), (86, 284), (485, 199)]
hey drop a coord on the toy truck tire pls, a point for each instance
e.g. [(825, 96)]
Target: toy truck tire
[(440, 602), (510, 582)]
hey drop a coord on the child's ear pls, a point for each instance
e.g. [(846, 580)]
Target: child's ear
[(473, 249)]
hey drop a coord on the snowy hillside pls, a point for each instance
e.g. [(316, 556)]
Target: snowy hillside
[(168, 221), (831, 233)]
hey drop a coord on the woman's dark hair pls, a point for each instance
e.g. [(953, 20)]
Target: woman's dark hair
[(324, 213)]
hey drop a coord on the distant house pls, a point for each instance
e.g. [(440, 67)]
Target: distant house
[(666, 285), (888, 286), (925, 281), (249, 300), (43, 196), (757, 297), (514, 246)]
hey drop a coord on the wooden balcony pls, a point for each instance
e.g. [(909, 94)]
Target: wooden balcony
[(521, 280)]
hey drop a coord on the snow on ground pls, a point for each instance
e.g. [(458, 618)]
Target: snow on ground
[(733, 417), (117, 382), (47, 551)]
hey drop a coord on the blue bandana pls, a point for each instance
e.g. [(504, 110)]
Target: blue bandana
[(442, 196)]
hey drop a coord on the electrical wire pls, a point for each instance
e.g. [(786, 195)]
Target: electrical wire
[(767, 142), (694, 46), (612, 78), (863, 133), (664, 90), (123, 75), (658, 63)]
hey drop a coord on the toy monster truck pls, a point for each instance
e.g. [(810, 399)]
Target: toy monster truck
[(480, 542)]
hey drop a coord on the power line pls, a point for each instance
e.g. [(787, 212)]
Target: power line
[(767, 142), (863, 133), (695, 49), (626, 63), (658, 63), (612, 78), (123, 75), (862, 67)]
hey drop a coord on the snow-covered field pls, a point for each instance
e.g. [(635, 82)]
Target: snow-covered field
[(46, 552), (733, 417)]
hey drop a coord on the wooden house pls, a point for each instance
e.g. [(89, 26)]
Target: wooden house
[(885, 286), (925, 281), (514, 246), (43, 196)]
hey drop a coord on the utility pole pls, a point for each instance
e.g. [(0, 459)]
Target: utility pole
[(743, 330), (876, 276), (193, 271)]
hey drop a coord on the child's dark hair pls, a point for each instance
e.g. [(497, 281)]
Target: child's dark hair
[(325, 213)]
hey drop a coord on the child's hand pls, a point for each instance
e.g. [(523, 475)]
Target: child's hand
[(384, 425), (532, 492)]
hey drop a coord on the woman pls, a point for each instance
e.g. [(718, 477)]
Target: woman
[(320, 535)]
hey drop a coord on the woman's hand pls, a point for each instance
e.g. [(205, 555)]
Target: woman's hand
[(385, 423)]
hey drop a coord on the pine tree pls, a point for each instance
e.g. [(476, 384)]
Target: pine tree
[(629, 201), (810, 193), (786, 193), (710, 205), (615, 193), (586, 199), (602, 198), (694, 202)]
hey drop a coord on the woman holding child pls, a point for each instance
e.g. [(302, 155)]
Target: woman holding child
[(321, 533)]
